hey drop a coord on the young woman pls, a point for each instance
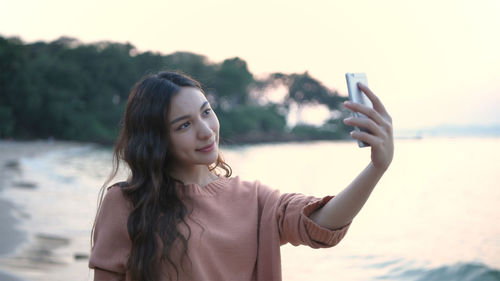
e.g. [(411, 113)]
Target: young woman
[(181, 216)]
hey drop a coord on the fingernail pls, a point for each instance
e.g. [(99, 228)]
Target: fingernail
[(347, 103)]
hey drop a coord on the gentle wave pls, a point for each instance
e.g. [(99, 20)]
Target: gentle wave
[(456, 272)]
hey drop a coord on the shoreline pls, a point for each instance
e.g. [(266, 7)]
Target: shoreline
[(11, 216), (12, 237)]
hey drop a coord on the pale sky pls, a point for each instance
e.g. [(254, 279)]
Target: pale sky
[(430, 62)]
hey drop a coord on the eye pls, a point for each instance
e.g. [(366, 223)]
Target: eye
[(207, 111), (184, 125)]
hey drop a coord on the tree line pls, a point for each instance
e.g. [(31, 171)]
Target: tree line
[(65, 89)]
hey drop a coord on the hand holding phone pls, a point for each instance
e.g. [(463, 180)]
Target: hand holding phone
[(357, 96), (380, 136)]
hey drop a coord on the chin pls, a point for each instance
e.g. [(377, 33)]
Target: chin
[(210, 159), (214, 159)]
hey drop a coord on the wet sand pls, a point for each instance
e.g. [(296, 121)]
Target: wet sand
[(11, 216)]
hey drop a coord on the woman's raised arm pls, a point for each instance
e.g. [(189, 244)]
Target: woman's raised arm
[(342, 209)]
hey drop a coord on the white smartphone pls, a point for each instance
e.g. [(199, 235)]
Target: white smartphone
[(357, 96)]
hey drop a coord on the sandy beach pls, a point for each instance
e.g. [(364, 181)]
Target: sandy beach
[(14, 239)]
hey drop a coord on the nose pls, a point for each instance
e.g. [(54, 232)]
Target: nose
[(204, 131)]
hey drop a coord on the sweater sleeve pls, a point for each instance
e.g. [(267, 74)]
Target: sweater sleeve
[(290, 212), (112, 243)]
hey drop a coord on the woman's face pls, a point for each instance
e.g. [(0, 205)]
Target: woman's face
[(194, 129)]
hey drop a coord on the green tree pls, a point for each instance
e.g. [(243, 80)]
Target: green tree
[(251, 119), (196, 66), (12, 63), (232, 81), (70, 90)]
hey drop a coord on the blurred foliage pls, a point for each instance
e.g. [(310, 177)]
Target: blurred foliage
[(251, 119), (304, 131), (65, 89)]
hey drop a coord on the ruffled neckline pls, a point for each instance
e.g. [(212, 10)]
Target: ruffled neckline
[(210, 189)]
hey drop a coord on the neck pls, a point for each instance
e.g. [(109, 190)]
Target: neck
[(198, 174)]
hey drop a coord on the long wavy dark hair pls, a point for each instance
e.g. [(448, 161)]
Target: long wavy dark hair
[(143, 146)]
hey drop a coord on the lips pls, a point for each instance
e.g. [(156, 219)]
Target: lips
[(206, 148)]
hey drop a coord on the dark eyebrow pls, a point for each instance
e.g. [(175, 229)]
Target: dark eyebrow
[(187, 116)]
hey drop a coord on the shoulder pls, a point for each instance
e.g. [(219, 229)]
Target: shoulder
[(115, 190), (111, 240), (237, 182), (114, 199), (112, 215), (251, 186)]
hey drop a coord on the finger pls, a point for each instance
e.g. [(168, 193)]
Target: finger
[(368, 111), (365, 137), (377, 104), (365, 123)]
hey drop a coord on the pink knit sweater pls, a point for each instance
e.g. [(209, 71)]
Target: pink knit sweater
[(237, 230)]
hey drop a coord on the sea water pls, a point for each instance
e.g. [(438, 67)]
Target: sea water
[(433, 216)]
